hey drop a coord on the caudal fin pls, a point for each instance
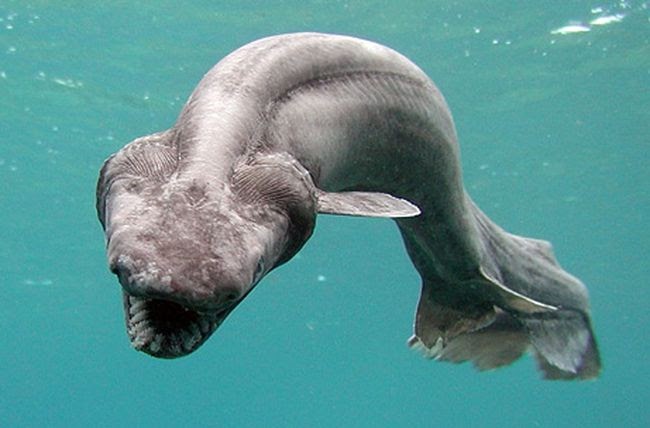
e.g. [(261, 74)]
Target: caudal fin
[(562, 341), (563, 344), (518, 299)]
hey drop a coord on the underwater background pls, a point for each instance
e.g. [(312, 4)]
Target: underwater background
[(552, 106)]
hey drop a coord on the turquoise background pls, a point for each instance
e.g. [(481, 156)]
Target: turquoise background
[(554, 132)]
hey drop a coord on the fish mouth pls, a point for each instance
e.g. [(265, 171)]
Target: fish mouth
[(166, 329)]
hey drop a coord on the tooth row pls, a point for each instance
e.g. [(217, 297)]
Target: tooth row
[(143, 335), (139, 330), (138, 317), (136, 305)]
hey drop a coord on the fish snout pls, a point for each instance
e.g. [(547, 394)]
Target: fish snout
[(199, 288)]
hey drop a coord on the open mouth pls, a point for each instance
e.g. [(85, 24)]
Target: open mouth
[(166, 329)]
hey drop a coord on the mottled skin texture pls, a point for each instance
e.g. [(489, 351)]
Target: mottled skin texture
[(292, 125)]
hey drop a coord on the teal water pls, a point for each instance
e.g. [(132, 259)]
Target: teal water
[(555, 135)]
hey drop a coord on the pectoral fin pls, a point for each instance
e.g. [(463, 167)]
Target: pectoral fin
[(365, 204)]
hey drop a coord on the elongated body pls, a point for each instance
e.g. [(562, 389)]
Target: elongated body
[(293, 125)]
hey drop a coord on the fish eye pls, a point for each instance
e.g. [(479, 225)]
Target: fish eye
[(259, 270)]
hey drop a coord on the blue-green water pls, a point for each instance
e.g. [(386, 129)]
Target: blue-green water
[(555, 138)]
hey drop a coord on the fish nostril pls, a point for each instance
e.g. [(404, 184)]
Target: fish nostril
[(119, 269), (229, 297), (116, 265), (114, 268)]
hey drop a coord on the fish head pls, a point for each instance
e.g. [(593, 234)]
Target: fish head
[(188, 247)]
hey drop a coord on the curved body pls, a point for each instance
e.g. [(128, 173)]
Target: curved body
[(292, 125)]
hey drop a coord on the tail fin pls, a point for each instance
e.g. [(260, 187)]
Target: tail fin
[(520, 299), (561, 341), (563, 344)]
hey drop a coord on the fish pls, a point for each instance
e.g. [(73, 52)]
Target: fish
[(295, 125)]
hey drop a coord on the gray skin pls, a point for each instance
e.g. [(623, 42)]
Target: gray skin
[(294, 125)]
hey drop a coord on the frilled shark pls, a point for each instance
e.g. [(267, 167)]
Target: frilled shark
[(294, 125)]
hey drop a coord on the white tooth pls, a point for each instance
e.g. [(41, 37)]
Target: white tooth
[(138, 317), (139, 339), (173, 338), (143, 330), (194, 330), (186, 340), (189, 339), (156, 344), (141, 334), (175, 347), (136, 306), (138, 342), (205, 325)]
